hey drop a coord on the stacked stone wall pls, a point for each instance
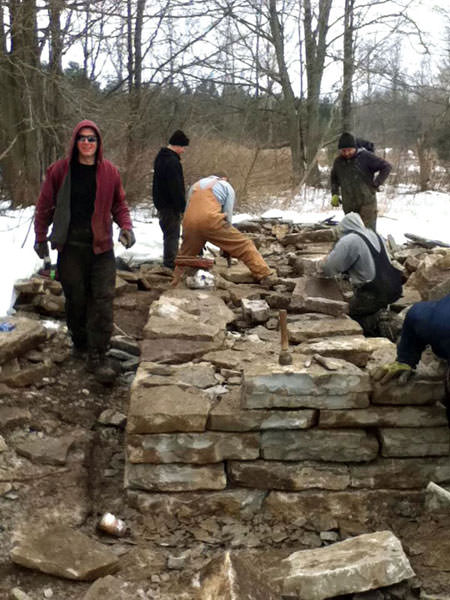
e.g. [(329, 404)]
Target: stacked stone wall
[(215, 423)]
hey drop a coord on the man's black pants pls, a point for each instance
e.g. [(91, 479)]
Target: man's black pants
[(88, 282), (170, 224)]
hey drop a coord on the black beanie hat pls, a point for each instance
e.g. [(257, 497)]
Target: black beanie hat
[(178, 138), (346, 141)]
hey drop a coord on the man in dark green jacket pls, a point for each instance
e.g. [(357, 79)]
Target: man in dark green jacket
[(357, 174)]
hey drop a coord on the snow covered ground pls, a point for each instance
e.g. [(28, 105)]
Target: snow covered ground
[(426, 214)]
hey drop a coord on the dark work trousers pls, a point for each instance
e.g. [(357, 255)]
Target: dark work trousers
[(88, 282), (170, 223), (364, 309)]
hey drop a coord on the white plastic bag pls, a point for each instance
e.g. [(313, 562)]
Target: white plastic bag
[(201, 279)]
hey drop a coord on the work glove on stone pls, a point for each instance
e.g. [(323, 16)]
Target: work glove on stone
[(127, 238), (41, 249), (396, 370), (335, 201)]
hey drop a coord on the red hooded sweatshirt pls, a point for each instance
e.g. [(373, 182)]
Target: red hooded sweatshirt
[(53, 205)]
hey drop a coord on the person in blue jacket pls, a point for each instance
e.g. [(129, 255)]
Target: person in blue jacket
[(426, 324)]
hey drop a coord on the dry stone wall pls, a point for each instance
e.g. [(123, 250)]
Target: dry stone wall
[(215, 423)]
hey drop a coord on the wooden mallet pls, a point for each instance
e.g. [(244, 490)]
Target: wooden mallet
[(285, 357)]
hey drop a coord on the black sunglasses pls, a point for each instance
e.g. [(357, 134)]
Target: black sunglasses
[(87, 138)]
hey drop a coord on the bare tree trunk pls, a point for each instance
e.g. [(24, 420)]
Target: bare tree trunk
[(348, 68), (290, 104), (315, 51), (21, 84)]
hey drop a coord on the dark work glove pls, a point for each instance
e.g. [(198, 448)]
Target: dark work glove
[(41, 249), (127, 238)]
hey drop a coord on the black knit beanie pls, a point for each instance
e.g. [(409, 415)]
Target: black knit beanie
[(346, 141), (178, 138)]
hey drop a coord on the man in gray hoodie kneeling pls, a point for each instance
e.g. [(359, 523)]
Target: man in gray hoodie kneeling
[(361, 254)]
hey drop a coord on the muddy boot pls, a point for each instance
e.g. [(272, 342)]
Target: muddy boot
[(102, 369)]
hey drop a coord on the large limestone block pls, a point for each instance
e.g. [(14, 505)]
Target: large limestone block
[(175, 478), (230, 359), (64, 552), (174, 350), (189, 315), (366, 562), (384, 416), (266, 384), (303, 330), (323, 510), (273, 475), (400, 473), (200, 375), (227, 415), (352, 348), (231, 577), (415, 392), (167, 409), (350, 445), (433, 270), (28, 334), (196, 448), (234, 502), (310, 236), (414, 441)]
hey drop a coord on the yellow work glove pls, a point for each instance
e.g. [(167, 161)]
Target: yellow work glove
[(395, 370), (335, 201)]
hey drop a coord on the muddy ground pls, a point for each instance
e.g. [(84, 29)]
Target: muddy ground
[(158, 558)]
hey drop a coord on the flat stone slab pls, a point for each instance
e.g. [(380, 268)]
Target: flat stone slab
[(415, 392), (175, 477), (384, 416), (200, 375), (46, 451), (400, 473), (274, 475), (27, 334), (196, 448), (64, 552), (234, 502), (349, 445), (189, 315), (228, 416), (266, 384), (230, 577), (11, 416), (111, 588), (237, 273), (325, 510), (174, 350), (415, 441), (366, 562), (306, 329), (352, 348), (167, 409), (335, 308)]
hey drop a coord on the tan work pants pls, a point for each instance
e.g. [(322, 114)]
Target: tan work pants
[(204, 222)]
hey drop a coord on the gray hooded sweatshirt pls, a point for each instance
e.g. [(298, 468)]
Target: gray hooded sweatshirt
[(351, 254)]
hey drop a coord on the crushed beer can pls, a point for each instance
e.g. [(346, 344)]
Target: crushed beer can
[(7, 326), (112, 525)]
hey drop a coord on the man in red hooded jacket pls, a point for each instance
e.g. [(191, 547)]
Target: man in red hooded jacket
[(81, 196)]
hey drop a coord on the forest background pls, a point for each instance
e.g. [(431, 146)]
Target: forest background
[(262, 87)]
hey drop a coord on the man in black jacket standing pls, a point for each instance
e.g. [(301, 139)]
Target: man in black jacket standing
[(169, 193), (357, 174)]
